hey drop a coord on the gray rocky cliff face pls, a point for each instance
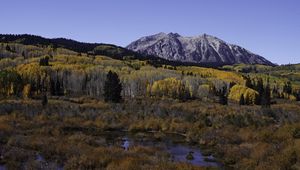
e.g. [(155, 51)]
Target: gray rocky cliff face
[(198, 49)]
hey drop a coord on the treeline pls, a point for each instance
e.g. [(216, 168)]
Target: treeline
[(36, 79), (65, 73), (266, 90)]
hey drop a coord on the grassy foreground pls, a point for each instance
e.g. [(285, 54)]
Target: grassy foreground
[(66, 132)]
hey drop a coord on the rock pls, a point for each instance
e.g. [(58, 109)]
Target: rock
[(198, 49)]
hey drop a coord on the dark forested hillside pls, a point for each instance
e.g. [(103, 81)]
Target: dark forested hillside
[(27, 39)]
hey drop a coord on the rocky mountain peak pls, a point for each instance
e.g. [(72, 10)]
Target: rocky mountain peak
[(198, 49)]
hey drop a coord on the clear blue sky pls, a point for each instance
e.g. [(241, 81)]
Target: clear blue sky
[(270, 28)]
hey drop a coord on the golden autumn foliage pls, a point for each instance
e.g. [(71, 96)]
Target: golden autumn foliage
[(30, 70), (27, 91), (166, 87), (237, 91), (169, 87), (213, 73), (289, 96)]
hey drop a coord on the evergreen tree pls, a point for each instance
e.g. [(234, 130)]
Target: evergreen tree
[(223, 96), (8, 48), (242, 100), (23, 55), (275, 92), (297, 95), (287, 88), (248, 82), (44, 61), (112, 88), (266, 97), (183, 93), (56, 88), (260, 89), (247, 100), (44, 100)]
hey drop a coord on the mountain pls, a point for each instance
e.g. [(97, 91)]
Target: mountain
[(198, 49)]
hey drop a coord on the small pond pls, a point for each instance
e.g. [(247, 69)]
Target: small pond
[(175, 145)]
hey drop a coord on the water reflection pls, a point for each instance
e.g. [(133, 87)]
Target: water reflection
[(126, 144), (179, 152)]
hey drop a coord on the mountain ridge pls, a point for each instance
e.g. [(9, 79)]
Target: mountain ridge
[(197, 49)]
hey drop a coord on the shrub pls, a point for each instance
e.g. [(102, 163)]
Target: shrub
[(170, 87), (296, 133), (249, 95)]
